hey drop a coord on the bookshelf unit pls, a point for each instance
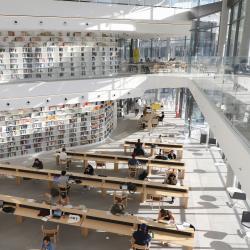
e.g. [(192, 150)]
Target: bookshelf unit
[(27, 56), (28, 131)]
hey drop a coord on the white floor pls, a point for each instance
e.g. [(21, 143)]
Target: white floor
[(217, 225)]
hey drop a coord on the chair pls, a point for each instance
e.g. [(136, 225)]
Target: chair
[(63, 163), (120, 197), (52, 233), (139, 247), (236, 194), (245, 222), (100, 164), (245, 219), (132, 171), (154, 198)]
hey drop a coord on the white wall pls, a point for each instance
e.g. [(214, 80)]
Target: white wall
[(92, 90), (100, 17)]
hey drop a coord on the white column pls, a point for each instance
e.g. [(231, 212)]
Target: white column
[(244, 46), (223, 28)]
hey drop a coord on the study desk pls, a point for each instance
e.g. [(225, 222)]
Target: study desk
[(153, 145), (102, 220), (116, 159), (104, 183)]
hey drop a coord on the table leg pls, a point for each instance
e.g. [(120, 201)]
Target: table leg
[(18, 180), (85, 163), (179, 154), (143, 197), (19, 219), (57, 160), (104, 192), (116, 166), (184, 202), (149, 170), (181, 174), (50, 184), (85, 232)]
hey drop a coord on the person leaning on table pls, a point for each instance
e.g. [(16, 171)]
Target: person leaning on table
[(166, 215), (141, 236)]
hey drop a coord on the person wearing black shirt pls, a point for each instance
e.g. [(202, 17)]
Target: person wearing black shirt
[(89, 170), (138, 148), (171, 155), (37, 164), (141, 236)]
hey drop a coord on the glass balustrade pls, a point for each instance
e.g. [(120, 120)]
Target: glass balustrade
[(182, 4)]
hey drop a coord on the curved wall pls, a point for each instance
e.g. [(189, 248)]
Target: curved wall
[(233, 146)]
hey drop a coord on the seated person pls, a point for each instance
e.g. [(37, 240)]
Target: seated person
[(89, 170), (138, 144), (117, 208), (160, 156), (63, 199), (161, 117), (166, 215), (138, 150), (171, 180), (63, 157), (63, 182), (133, 161), (171, 155), (141, 236), (37, 164), (47, 245)]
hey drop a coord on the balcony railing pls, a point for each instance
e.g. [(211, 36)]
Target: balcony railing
[(182, 4)]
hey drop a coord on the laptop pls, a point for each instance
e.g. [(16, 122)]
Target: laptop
[(57, 213), (124, 187)]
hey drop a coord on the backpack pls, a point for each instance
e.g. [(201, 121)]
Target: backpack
[(117, 209), (143, 175), (131, 187)]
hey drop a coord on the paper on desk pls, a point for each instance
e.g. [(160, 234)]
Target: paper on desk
[(180, 227), (45, 218)]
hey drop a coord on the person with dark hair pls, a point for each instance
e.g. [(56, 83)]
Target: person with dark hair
[(89, 170), (37, 164), (166, 215), (161, 117), (47, 245), (141, 236), (171, 180), (138, 150), (133, 161), (171, 155), (63, 183), (63, 158)]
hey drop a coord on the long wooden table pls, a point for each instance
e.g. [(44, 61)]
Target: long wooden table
[(102, 182), (116, 159), (155, 145), (101, 220)]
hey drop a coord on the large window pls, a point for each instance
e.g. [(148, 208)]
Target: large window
[(204, 36), (236, 22)]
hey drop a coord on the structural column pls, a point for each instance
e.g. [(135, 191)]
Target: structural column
[(230, 180), (244, 46), (223, 28)]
